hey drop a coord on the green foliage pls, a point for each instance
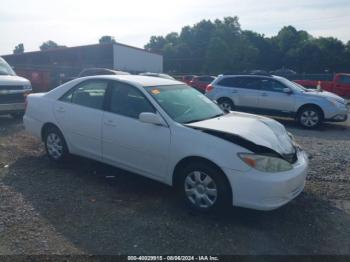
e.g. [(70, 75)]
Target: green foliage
[(19, 49), (219, 46), (50, 45), (106, 39)]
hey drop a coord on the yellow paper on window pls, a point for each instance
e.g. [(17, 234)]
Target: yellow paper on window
[(155, 91)]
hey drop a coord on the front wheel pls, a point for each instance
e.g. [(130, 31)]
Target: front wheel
[(310, 117), (204, 188), (55, 145)]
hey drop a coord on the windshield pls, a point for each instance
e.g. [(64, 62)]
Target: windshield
[(184, 104), (5, 69)]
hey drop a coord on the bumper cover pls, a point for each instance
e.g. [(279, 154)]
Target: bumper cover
[(268, 191), (11, 108)]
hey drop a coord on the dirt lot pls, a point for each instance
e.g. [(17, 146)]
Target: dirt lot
[(90, 208)]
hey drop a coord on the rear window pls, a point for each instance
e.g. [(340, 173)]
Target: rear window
[(206, 79), (188, 77)]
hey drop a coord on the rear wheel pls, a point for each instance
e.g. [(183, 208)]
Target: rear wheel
[(310, 117), (55, 145), (226, 104), (204, 188)]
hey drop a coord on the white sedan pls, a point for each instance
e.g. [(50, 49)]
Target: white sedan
[(168, 131)]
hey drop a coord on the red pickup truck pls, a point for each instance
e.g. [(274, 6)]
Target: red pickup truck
[(340, 84)]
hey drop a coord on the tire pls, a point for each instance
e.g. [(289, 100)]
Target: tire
[(226, 104), (55, 145), (18, 115), (310, 117), (203, 187)]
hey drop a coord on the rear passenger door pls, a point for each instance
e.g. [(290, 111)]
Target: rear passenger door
[(243, 91), (273, 100), (79, 115)]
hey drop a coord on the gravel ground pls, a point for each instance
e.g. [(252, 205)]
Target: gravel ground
[(89, 208)]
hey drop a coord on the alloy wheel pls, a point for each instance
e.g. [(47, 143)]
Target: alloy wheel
[(54, 146), (201, 189), (309, 118)]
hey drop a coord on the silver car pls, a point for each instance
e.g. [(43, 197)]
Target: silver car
[(277, 96)]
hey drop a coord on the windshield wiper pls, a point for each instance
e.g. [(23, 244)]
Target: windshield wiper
[(218, 115), (199, 120)]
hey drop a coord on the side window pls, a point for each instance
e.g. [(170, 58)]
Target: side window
[(251, 83), (126, 100), (344, 79), (230, 82), (272, 86), (90, 94)]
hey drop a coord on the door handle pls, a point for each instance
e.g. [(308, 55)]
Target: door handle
[(264, 94), (234, 91), (109, 122), (60, 109)]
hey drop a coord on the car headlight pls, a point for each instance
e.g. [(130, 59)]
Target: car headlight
[(265, 163)]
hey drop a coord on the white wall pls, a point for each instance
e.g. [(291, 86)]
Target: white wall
[(131, 59)]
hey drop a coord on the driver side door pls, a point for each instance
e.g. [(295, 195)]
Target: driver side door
[(273, 100), (126, 141)]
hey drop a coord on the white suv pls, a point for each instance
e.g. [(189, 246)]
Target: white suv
[(277, 96), (13, 91)]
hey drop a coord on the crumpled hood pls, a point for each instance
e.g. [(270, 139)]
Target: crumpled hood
[(325, 94), (259, 130)]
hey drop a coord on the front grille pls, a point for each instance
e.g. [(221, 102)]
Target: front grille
[(12, 98), (11, 87)]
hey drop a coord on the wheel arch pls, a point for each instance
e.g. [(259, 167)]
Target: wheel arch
[(225, 98), (191, 159), (45, 127), (310, 105)]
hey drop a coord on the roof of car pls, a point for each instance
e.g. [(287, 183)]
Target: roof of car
[(249, 75), (104, 70), (140, 80)]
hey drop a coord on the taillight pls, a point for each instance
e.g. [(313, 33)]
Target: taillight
[(209, 88)]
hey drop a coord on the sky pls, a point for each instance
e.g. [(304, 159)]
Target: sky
[(133, 22)]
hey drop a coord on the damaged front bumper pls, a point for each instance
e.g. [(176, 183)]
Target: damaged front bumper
[(268, 191)]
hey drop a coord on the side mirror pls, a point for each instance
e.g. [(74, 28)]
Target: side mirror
[(151, 118), (287, 91)]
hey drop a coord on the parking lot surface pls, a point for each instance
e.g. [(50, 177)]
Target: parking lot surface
[(85, 207)]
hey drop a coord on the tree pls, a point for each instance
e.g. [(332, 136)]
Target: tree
[(50, 45), (19, 49), (218, 46), (106, 39)]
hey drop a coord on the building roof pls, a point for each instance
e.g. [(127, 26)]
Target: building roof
[(59, 49)]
